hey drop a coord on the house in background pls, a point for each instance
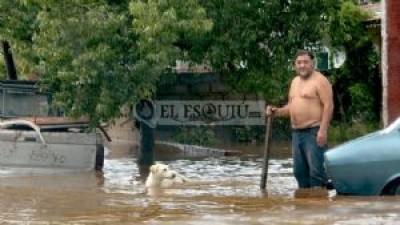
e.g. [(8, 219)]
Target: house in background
[(384, 27)]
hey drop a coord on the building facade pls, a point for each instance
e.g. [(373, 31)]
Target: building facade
[(391, 60)]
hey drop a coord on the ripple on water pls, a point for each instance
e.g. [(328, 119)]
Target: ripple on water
[(226, 191)]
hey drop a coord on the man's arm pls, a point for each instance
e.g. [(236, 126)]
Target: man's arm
[(326, 97), (283, 111), (274, 111)]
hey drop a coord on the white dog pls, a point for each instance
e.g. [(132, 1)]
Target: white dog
[(161, 176)]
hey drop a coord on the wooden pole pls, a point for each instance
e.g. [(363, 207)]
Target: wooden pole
[(267, 147)]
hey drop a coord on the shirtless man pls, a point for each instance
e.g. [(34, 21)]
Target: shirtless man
[(310, 110)]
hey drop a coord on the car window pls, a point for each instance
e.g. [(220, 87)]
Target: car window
[(393, 126)]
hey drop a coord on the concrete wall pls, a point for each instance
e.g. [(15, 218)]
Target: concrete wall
[(207, 86), (123, 131), (125, 139)]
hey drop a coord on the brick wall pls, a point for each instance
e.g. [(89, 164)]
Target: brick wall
[(393, 23)]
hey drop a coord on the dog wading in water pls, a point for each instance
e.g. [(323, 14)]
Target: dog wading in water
[(161, 176)]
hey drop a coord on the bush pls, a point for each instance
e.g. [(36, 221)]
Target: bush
[(195, 136), (341, 132)]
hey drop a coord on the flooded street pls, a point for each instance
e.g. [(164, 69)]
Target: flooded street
[(226, 191)]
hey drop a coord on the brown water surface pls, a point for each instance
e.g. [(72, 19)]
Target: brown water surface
[(226, 191)]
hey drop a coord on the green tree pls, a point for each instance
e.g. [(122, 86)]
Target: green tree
[(357, 82), (94, 55), (97, 56), (253, 42), (17, 23)]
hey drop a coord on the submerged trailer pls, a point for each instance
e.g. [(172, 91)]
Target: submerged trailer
[(36, 138)]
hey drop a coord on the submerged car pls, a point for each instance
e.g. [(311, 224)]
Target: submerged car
[(37, 138), (369, 165)]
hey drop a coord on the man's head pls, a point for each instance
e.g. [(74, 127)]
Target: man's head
[(304, 63)]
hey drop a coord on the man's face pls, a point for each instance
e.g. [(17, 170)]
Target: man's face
[(304, 65)]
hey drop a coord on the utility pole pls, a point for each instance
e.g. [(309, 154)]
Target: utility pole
[(146, 145), (145, 111)]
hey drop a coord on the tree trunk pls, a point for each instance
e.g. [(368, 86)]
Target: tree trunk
[(8, 60)]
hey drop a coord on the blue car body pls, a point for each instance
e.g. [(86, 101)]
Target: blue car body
[(369, 165)]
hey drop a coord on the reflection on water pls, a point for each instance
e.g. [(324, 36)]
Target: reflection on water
[(226, 191)]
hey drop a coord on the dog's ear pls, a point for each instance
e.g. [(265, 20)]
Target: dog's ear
[(153, 168)]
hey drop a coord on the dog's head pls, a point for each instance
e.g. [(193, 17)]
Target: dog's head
[(162, 171)]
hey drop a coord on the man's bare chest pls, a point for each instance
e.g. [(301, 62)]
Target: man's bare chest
[(304, 89)]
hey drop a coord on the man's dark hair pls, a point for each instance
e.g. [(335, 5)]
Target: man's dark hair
[(304, 52)]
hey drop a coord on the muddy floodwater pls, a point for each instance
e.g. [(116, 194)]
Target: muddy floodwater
[(226, 191)]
